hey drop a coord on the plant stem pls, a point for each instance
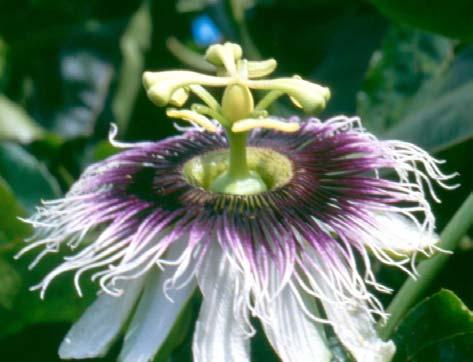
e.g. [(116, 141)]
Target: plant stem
[(238, 167), (428, 270)]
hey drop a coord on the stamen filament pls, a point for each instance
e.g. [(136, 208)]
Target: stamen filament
[(205, 96), (268, 99), (192, 117), (199, 108)]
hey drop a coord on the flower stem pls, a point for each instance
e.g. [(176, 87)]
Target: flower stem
[(238, 166), (238, 179), (412, 289)]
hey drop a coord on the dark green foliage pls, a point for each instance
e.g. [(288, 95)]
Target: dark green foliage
[(440, 328), (28, 178), (451, 18)]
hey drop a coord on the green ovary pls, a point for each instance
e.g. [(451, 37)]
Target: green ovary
[(238, 179), (251, 184)]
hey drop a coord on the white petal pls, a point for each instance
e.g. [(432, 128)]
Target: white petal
[(357, 333), (348, 306), (400, 235), (292, 334), (219, 335), (92, 335), (154, 318)]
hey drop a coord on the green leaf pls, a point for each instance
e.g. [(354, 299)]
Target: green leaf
[(12, 230), (134, 43), (10, 284), (27, 177), (103, 150), (440, 328), (86, 81), (440, 113), (458, 348), (451, 18), (18, 306), (418, 90), (407, 59), (15, 123), (4, 68), (353, 37), (440, 124), (24, 307)]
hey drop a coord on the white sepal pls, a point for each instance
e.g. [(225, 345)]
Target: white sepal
[(356, 330), (398, 235), (220, 332), (291, 333), (93, 334), (155, 315)]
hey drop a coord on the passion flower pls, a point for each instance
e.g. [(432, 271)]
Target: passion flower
[(269, 218)]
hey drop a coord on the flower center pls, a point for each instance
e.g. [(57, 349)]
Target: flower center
[(237, 112), (272, 168)]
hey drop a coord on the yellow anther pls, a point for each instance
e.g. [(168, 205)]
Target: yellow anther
[(161, 86), (179, 97), (261, 68), (271, 123), (296, 102), (224, 54), (194, 118), (309, 96)]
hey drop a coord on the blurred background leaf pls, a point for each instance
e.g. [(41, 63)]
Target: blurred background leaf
[(134, 43), (451, 18), (441, 113), (406, 60), (12, 230), (24, 308), (29, 179), (16, 124), (10, 284), (3, 63), (418, 88)]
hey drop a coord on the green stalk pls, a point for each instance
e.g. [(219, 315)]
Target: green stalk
[(238, 167), (413, 290)]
